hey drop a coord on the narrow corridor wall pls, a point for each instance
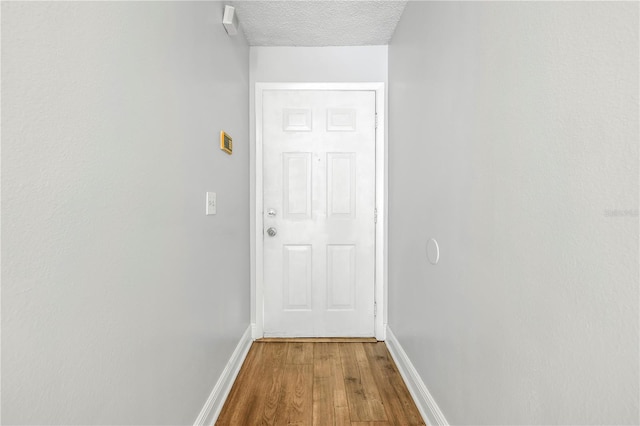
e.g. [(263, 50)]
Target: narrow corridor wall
[(121, 301), (514, 143)]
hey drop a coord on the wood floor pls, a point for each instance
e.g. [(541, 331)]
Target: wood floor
[(324, 384)]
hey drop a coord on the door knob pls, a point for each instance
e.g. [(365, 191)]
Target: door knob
[(272, 231)]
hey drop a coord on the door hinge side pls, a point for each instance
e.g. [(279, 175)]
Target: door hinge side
[(375, 215), (375, 309), (376, 120)]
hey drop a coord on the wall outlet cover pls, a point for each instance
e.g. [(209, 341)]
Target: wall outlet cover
[(211, 203)]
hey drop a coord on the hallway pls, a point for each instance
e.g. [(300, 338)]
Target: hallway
[(306, 383), (506, 212)]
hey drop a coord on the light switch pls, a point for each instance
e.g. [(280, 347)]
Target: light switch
[(211, 203)]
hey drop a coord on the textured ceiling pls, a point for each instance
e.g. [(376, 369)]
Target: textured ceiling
[(318, 22)]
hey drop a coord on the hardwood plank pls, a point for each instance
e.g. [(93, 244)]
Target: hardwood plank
[(340, 390), (342, 416), (340, 403), (317, 340), (295, 404), (400, 408), (268, 376), (274, 388), (370, 424), (242, 386), (299, 353), (325, 370), (259, 390), (325, 355), (362, 395), (323, 408), (372, 394), (352, 383)]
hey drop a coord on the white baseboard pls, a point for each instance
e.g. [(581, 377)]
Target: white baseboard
[(426, 404), (211, 410)]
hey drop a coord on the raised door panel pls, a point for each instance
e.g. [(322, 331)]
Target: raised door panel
[(296, 187), (341, 185), (341, 277), (297, 269)]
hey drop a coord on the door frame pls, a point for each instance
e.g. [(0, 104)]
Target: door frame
[(381, 186)]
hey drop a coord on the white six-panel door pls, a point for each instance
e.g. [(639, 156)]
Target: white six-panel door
[(319, 201)]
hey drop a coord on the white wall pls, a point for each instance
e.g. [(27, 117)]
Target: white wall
[(353, 64), (121, 300), (514, 142), (319, 64)]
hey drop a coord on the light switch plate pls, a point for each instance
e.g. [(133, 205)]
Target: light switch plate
[(211, 203)]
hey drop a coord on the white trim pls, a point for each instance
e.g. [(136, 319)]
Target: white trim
[(257, 301), (211, 410), (427, 406), (255, 334)]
